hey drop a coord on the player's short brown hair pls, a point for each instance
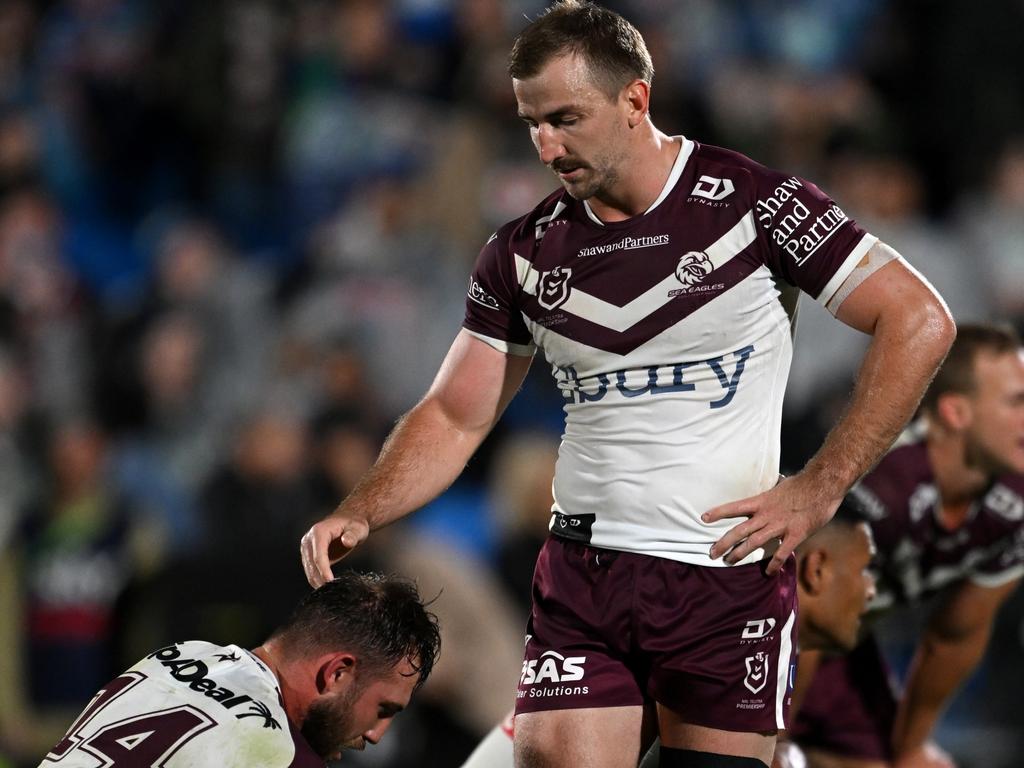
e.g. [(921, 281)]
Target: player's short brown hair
[(380, 617), (957, 372), (612, 47)]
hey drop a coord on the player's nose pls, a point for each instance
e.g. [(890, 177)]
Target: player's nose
[(376, 733), (549, 145), (869, 588)]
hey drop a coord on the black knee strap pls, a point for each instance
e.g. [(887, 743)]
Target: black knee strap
[(688, 758)]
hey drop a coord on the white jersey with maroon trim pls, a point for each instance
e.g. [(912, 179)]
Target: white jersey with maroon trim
[(669, 336), (191, 704)]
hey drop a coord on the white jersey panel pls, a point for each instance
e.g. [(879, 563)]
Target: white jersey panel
[(193, 704), (653, 445)]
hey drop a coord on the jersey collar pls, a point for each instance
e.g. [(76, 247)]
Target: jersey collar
[(673, 177)]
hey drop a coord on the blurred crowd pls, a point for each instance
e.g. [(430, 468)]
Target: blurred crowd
[(234, 242)]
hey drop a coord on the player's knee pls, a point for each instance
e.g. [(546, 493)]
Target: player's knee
[(688, 758)]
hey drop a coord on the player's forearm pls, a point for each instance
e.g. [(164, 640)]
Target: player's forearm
[(905, 351), (939, 667), (422, 457)]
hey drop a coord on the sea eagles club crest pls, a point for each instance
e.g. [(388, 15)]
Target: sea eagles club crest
[(693, 267), (553, 287)]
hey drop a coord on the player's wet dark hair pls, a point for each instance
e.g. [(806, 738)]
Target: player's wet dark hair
[(379, 617), (851, 513), (957, 372), (612, 47)]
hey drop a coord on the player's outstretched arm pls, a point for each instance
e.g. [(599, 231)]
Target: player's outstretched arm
[(912, 331), (425, 452), (950, 648)]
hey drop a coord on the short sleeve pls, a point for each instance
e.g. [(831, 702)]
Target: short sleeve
[(1004, 566), (808, 240), (492, 314)]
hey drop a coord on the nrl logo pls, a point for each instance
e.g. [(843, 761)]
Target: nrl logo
[(553, 287), (757, 672), (693, 267)]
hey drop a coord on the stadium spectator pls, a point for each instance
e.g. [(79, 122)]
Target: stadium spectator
[(76, 553), (658, 440), (330, 679), (520, 491), (993, 223), (265, 490)]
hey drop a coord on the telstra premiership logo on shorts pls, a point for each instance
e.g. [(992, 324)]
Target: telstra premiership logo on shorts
[(757, 672)]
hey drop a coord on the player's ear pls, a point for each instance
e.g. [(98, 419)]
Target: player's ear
[(637, 98), (335, 670), (812, 571), (954, 410)]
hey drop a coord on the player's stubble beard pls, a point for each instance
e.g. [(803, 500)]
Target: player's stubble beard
[(595, 179), (600, 175), (328, 724), (979, 456)]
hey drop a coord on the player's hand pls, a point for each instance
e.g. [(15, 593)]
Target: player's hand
[(789, 513), (928, 755), (327, 542)]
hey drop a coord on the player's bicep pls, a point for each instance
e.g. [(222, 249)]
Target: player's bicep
[(476, 382), (885, 287)]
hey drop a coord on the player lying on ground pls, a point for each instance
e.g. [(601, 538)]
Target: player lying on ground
[(331, 678)]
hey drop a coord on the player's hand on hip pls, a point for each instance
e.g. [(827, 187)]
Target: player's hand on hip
[(928, 755), (788, 513), (327, 542)]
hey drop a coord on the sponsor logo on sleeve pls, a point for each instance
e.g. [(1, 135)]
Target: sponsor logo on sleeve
[(788, 221), (480, 296)]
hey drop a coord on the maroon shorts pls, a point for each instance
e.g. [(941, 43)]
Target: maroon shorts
[(850, 708), (611, 629)]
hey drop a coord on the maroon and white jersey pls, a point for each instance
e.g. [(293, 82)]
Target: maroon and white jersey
[(669, 337), (917, 555), (190, 704)]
